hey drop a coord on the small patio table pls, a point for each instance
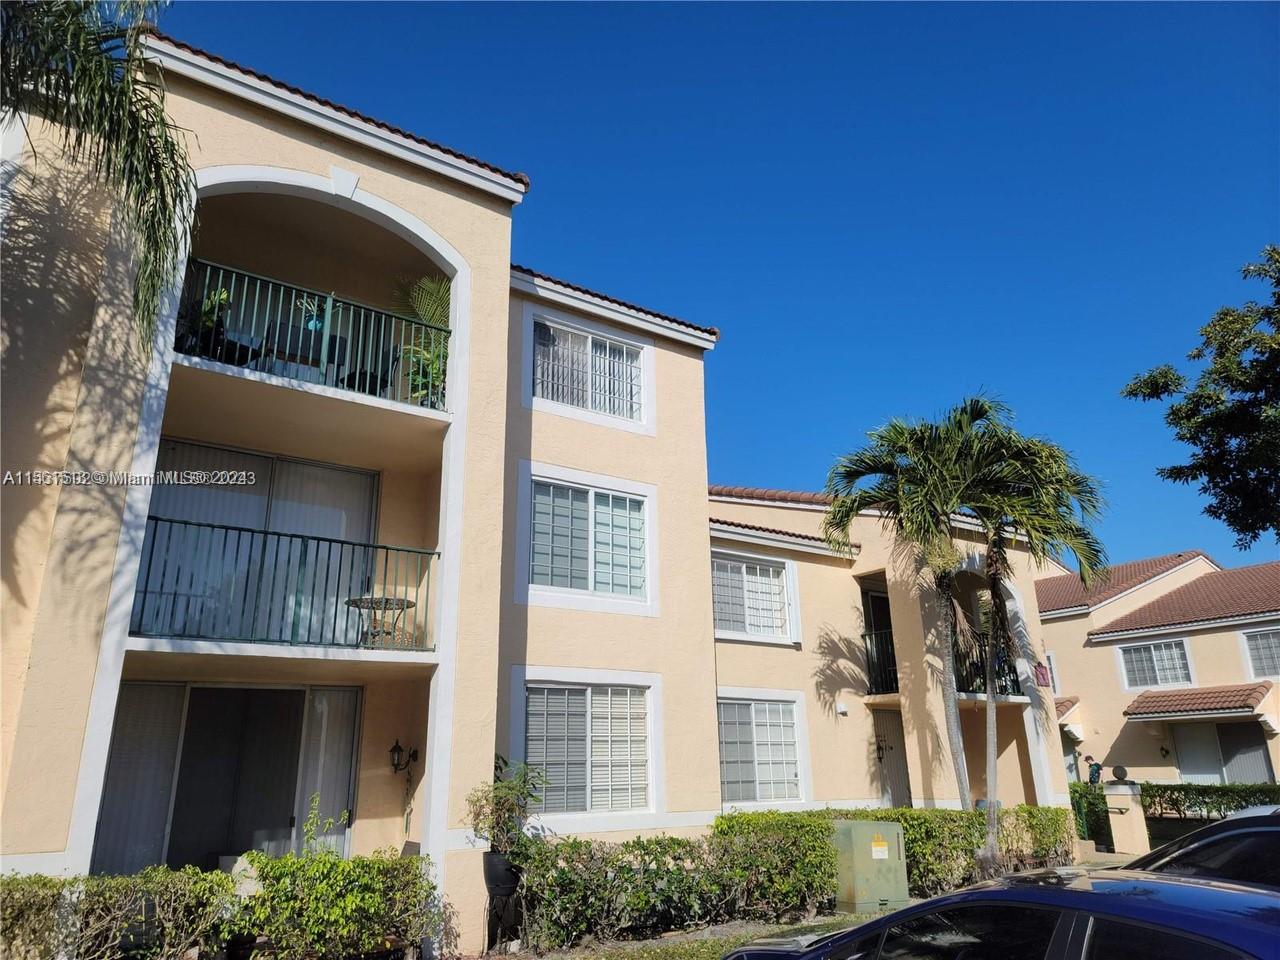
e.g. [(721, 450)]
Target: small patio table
[(374, 612)]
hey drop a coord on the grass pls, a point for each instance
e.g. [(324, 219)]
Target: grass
[(712, 943)]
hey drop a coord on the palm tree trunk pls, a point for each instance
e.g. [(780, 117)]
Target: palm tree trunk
[(997, 641), (950, 701)]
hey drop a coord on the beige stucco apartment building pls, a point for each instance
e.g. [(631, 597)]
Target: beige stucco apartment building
[(426, 543), (1168, 668)]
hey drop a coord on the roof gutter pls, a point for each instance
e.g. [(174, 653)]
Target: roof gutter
[(1185, 627)]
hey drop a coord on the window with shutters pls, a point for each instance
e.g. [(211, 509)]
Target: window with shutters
[(591, 745), (750, 598), (1264, 653), (587, 539), (587, 371), (1156, 664), (759, 755)]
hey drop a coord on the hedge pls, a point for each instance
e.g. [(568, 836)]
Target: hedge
[(1205, 800), (314, 905), (1089, 805), (765, 865)]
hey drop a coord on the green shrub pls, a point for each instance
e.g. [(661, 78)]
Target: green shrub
[(772, 865), (1089, 807), (30, 911), (320, 904), (1204, 800)]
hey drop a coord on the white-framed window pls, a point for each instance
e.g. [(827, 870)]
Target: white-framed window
[(591, 744), (588, 542), (1264, 652), (759, 750), (1156, 664), (1053, 673), (587, 539), (752, 597), (587, 370)]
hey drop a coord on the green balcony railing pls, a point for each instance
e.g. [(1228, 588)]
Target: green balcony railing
[(205, 581), (257, 323), (971, 668), (882, 662)]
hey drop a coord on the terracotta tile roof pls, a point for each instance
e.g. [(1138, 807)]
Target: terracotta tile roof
[(711, 331), (518, 178), (1239, 696), (1220, 595), (1065, 591), (1065, 705), (764, 493), (783, 533)]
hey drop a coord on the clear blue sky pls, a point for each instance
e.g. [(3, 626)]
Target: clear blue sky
[(884, 208)]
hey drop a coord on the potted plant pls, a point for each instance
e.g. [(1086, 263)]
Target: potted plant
[(498, 813), (426, 355)]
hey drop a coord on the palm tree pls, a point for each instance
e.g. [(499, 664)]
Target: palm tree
[(81, 67), (1028, 491), (916, 475)]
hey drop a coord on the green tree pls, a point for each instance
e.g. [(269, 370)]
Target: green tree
[(1230, 417), (82, 67)]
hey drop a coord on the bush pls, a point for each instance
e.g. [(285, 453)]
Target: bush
[(1205, 800), (760, 865), (1089, 807), (320, 904), (159, 913)]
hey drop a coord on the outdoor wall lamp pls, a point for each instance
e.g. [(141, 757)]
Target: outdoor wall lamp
[(398, 761)]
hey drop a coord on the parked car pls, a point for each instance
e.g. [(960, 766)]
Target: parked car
[(1063, 914), (1240, 849)]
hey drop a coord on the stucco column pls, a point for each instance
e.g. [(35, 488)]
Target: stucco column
[(1128, 823)]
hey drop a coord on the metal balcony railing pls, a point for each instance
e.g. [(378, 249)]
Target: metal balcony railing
[(882, 662), (971, 668), (206, 581), (267, 325)]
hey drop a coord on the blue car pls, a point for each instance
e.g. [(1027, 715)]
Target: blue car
[(1064, 914)]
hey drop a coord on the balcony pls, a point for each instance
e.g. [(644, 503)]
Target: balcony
[(971, 668), (205, 581), (256, 323), (882, 662)]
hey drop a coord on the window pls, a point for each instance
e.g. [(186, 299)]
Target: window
[(988, 932), (1264, 653), (587, 371), (1113, 940), (591, 745), (585, 539), (758, 752), (1053, 673), (749, 597), (1156, 664)]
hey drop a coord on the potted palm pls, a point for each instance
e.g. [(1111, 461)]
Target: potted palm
[(498, 813), (426, 354)]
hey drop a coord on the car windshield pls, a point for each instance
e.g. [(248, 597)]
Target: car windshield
[(1252, 857)]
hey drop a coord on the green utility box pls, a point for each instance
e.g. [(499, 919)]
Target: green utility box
[(871, 866)]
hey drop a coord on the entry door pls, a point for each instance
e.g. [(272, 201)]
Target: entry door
[(1244, 753), (891, 754), (1069, 758), (1198, 758)]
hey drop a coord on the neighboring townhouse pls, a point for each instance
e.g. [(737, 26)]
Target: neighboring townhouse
[(1168, 668), (427, 542)]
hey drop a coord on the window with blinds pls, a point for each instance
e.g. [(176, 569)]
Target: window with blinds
[(583, 539), (1264, 653), (591, 745), (758, 753), (587, 371), (1156, 664), (749, 596)]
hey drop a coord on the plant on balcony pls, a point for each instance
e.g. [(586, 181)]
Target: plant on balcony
[(499, 811), (426, 358)]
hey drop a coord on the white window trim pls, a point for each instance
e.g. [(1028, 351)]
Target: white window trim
[(647, 424), (566, 598), (595, 820), (793, 635), (1055, 680), (1244, 636), (1124, 676), (796, 698)]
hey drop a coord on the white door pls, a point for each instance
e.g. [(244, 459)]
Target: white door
[(1199, 760), (891, 754)]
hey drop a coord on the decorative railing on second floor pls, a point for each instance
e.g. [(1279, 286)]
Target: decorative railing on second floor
[(971, 667), (205, 581), (882, 662), (261, 324)]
